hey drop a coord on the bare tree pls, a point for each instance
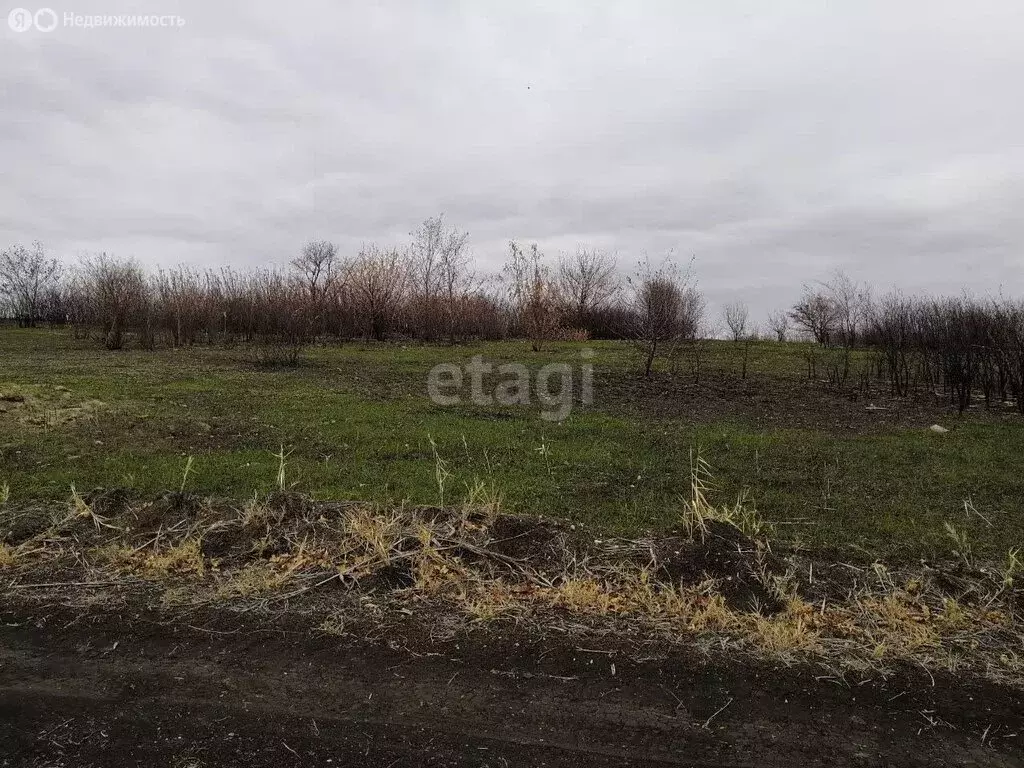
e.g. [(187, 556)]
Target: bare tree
[(851, 302), (424, 273), (735, 314), (440, 278), (834, 311), (319, 268), (283, 320), (666, 310), (587, 282), (26, 276), (778, 324), (816, 314), (454, 277), (534, 295), (320, 275), (119, 297), (378, 281)]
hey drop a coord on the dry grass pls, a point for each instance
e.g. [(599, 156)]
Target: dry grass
[(792, 630), (8, 556), (47, 407), (271, 549), (184, 558), (252, 581), (698, 511), (1013, 566)]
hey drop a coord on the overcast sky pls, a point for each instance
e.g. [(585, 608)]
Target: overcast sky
[(772, 145)]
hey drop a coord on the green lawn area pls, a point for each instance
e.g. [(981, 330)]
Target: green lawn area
[(358, 423)]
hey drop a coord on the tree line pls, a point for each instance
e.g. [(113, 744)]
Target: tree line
[(960, 348), (428, 290), (957, 349)]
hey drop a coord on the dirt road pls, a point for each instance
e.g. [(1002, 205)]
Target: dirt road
[(110, 689)]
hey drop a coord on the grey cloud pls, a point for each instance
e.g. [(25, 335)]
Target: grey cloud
[(773, 144)]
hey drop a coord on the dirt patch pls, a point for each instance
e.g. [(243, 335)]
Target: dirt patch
[(742, 570), (140, 685), (21, 524), (768, 402), (169, 510), (544, 544)]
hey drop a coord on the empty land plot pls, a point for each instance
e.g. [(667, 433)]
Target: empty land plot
[(857, 473)]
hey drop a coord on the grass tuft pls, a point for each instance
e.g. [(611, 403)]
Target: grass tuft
[(698, 512)]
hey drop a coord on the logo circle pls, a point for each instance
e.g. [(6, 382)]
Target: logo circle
[(45, 19), (19, 20)]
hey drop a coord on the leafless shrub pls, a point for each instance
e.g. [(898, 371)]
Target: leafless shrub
[(960, 350), (378, 281), (954, 348), (816, 315), (735, 314), (666, 311), (117, 299), (893, 329), (837, 366), (182, 299), (27, 278), (283, 320), (588, 284), (778, 325), (482, 316), (533, 294)]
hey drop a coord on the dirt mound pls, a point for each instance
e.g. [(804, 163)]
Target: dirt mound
[(20, 525), (710, 579), (541, 543), (742, 568), (384, 547)]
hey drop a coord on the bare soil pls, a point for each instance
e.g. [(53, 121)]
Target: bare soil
[(773, 402), (107, 667), (135, 686)]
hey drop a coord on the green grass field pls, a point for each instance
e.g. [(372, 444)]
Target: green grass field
[(358, 424)]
